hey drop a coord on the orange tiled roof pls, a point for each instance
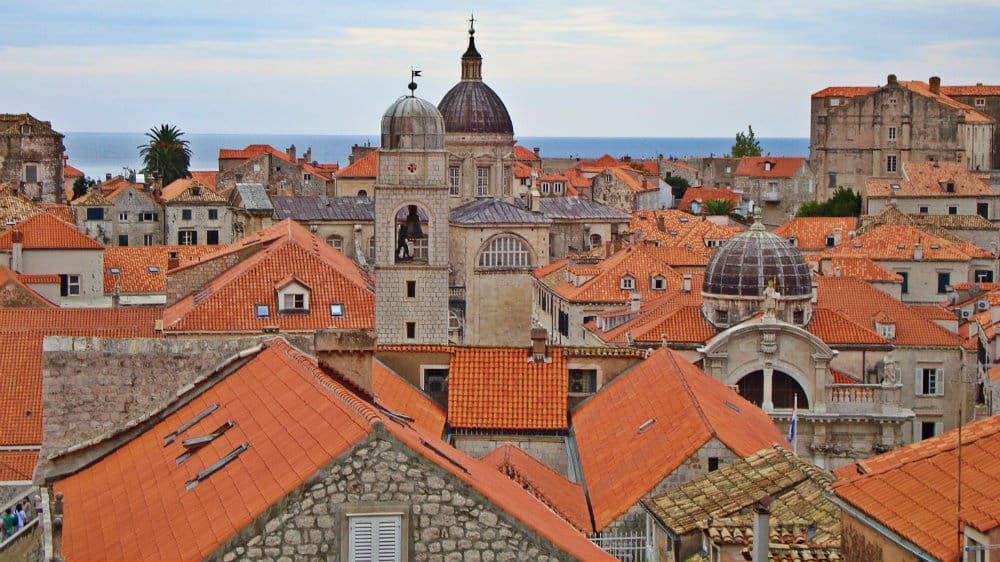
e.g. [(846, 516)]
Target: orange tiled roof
[(860, 302), (933, 312), (38, 278), (911, 490), (58, 210), (677, 315), (624, 456), (781, 166), (14, 207), (134, 262), (862, 268), (844, 91), (977, 90), (364, 167), (228, 302), (205, 177), (251, 151), (994, 374), (674, 228), (564, 496), (522, 170), (94, 198), (181, 191), (929, 179), (71, 172), (399, 396), (680, 164), (633, 179), (284, 451), (17, 465), (46, 232), (918, 87), (114, 194), (834, 327), (896, 243), (21, 333), (640, 261), (810, 233), (497, 388), (523, 153), (703, 194)]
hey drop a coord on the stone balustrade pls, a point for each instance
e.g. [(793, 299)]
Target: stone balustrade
[(863, 398)]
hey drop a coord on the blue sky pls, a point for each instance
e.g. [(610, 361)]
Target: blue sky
[(564, 68)]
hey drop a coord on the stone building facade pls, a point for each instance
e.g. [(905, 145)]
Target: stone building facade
[(984, 98), (778, 186), (280, 172), (857, 133), (31, 157), (195, 215)]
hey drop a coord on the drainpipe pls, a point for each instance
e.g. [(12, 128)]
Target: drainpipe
[(761, 528)]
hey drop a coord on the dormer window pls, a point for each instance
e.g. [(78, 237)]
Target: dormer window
[(293, 296), (658, 283), (627, 283), (768, 166), (793, 241), (25, 129), (831, 241), (886, 328)]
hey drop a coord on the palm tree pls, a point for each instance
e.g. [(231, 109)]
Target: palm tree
[(166, 156), (718, 207)]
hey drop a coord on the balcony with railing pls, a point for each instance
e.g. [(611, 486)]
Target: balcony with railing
[(772, 196), (863, 399)]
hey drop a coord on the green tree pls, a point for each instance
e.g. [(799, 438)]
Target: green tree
[(717, 207), (746, 144), (843, 203), (81, 186), (166, 155), (678, 186)]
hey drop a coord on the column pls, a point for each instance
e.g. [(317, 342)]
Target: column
[(767, 403)]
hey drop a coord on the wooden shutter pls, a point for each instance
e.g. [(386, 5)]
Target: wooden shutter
[(63, 285), (375, 538), (919, 378), (939, 382)]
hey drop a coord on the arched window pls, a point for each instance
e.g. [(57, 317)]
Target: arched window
[(362, 193), (337, 242), (505, 252)]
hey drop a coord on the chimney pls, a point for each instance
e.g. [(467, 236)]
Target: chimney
[(308, 156), (348, 355), (892, 79), (836, 271), (918, 251), (291, 153), (107, 176), (838, 236), (761, 529), (686, 283), (173, 261), (586, 236), (539, 349), (635, 301), (534, 201), (537, 151), (935, 83), (17, 247), (815, 292), (660, 224)]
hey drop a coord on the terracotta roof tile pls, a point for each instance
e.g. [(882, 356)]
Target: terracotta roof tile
[(46, 232), (896, 243), (21, 333), (251, 151), (676, 315), (564, 496), (205, 177), (399, 396), (228, 302), (780, 166), (977, 90), (911, 490), (18, 465), (844, 91), (862, 268), (71, 172), (933, 312), (929, 179), (15, 208), (497, 388), (364, 167), (60, 211), (810, 233), (702, 194), (183, 190), (133, 264), (523, 153), (921, 88), (624, 457), (671, 227), (640, 261)]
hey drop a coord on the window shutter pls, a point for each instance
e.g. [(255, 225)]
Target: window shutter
[(938, 428), (916, 431), (362, 540), (939, 386), (375, 538), (63, 285), (388, 549), (919, 377)]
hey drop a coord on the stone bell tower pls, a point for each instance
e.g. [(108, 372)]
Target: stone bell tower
[(411, 225)]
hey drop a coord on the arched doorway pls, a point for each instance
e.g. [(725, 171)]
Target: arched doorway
[(784, 388)]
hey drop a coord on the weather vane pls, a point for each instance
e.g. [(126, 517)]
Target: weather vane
[(413, 82)]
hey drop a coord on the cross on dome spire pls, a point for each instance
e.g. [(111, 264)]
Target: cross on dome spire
[(472, 24)]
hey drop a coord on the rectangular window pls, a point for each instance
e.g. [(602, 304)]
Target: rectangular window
[(772, 187), (980, 102), (436, 382), (95, 213), (984, 276), (564, 323), (69, 285), (186, 214), (122, 217), (627, 283), (831, 241), (482, 181), (892, 134), (187, 238), (149, 217), (545, 187), (411, 289), (212, 237), (983, 210), (557, 187), (262, 311), (294, 301), (906, 281), (147, 239), (374, 538), (337, 310), (930, 381), (890, 163), (213, 214), (713, 464), (952, 210), (923, 210), (31, 173), (943, 280), (123, 239), (832, 179), (411, 330), (582, 381), (454, 181), (506, 180)]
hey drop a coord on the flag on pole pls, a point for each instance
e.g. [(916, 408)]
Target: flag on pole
[(794, 421)]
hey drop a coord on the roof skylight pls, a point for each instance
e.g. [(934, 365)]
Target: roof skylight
[(188, 424)]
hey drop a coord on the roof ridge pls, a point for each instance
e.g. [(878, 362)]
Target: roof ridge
[(690, 392)]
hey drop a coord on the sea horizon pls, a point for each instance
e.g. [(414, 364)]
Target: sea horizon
[(99, 153)]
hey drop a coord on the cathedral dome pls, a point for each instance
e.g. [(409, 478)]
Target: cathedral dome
[(412, 123), (745, 264), (471, 106)]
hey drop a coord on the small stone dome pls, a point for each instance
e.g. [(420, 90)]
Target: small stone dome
[(471, 106), (745, 264), (412, 123)]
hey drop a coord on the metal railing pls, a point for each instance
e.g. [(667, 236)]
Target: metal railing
[(627, 547)]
